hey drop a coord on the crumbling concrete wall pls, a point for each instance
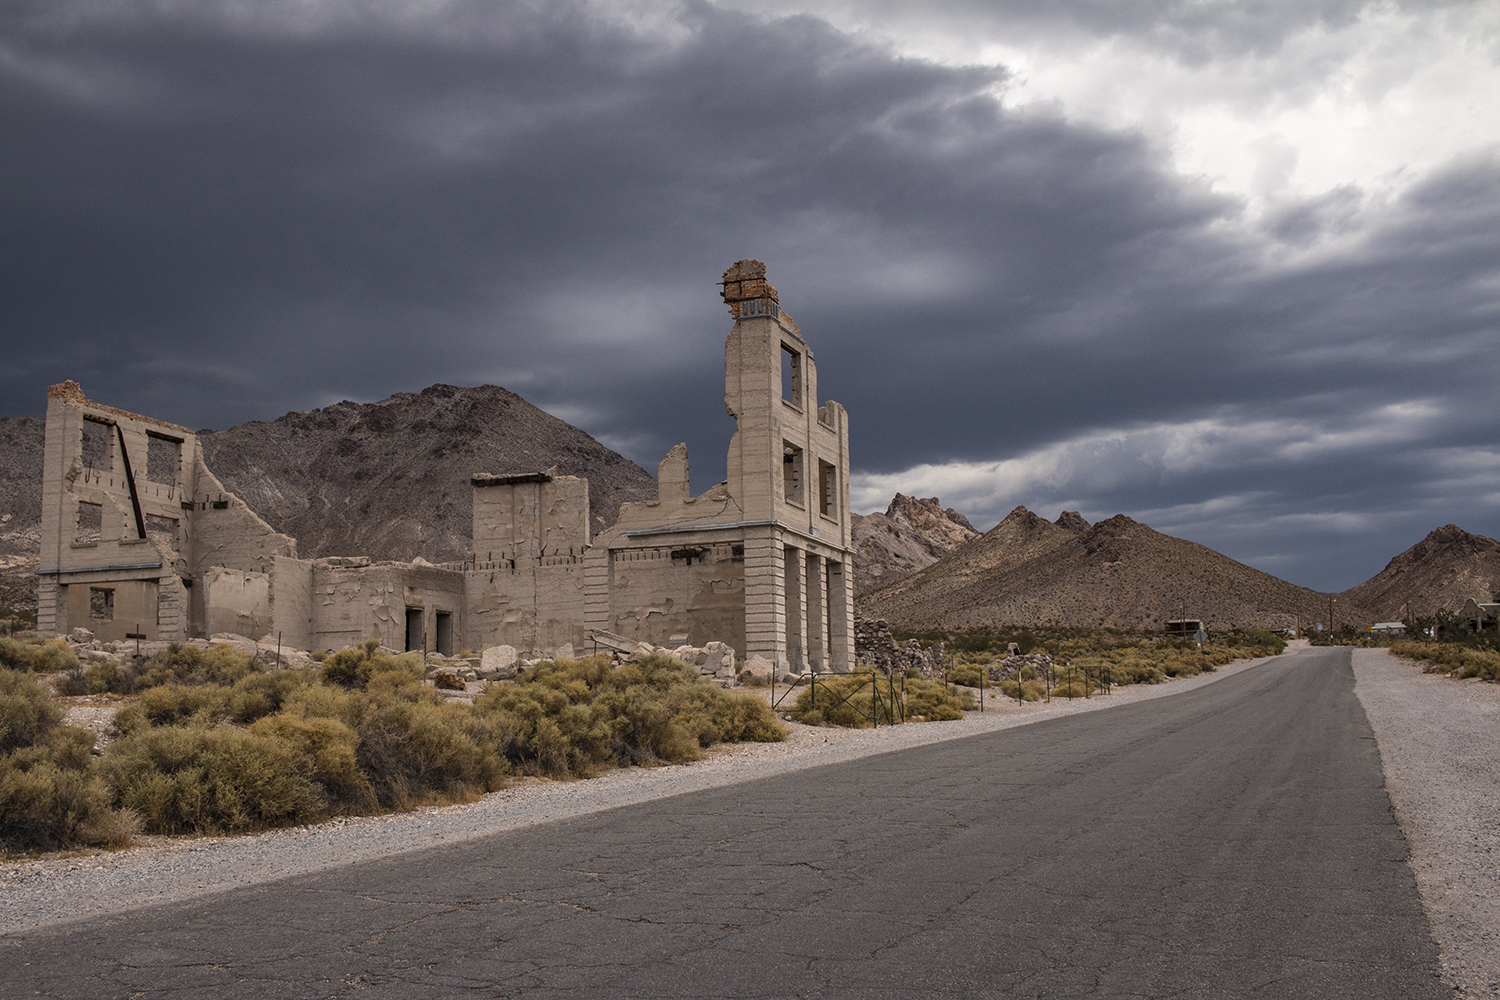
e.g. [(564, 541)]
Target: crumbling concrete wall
[(526, 586), (760, 561)]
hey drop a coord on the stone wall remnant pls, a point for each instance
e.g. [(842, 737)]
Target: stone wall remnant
[(141, 541)]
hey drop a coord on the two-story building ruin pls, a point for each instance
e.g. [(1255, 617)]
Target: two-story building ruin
[(140, 538)]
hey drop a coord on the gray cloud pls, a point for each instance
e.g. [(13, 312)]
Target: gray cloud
[(221, 215)]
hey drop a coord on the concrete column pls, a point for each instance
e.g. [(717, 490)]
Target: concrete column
[(51, 607), (817, 616), (840, 616), (796, 610), (765, 596)]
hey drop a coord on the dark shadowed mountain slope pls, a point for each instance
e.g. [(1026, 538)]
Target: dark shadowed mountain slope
[(1118, 573), (1441, 571), (391, 479), (21, 441), (910, 535)]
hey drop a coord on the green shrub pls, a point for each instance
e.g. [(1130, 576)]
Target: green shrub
[(27, 711), (1030, 690), (415, 752), (188, 779), (329, 746), (576, 717), (36, 655), (48, 807), (367, 664), (854, 702), (1453, 659), (221, 665)]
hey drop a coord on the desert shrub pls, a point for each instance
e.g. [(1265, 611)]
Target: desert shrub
[(221, 664), (576, 717), (36, 655), (1453, 659), (177, 704), (1071, 687), (935, 702), (367, 664), (853, 702), (413, 752), (190, 779), (47, 806), (1030, 690), (449, 681), (969, 675), (329, 747), (27, 712), (259, 695)]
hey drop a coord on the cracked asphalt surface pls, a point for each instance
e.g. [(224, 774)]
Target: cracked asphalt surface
[(1232, 841)]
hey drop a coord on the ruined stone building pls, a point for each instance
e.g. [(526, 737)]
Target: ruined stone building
[(140, 538)]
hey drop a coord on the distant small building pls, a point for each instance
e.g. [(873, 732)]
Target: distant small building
[(1185, 627), (1480, 615), (1387, 628)]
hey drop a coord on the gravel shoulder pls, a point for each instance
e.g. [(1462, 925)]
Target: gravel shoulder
[(1439, 742), (53, 890)]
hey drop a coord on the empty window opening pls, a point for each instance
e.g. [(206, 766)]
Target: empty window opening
[(828, 484), (791, 473), (737, 552), (163, 529), (163, 456), (415, 637), (97, 437), (90, 520), (686, 557), (102, 604), (445, 633), (791, 375)]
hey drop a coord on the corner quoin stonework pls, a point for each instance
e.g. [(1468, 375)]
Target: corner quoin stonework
[(140, 538)]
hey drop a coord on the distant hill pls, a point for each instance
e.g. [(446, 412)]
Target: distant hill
[(21, 440), (387, 479), (911, 535), (1118, 573), (391, 479), (1441, 571)]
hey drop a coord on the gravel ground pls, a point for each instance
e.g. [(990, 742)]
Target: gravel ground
[(1440, 747), (52, 890)]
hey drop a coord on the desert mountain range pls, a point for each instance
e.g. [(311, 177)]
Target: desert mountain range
[(1116, 574), (912, 534), (391, 480)]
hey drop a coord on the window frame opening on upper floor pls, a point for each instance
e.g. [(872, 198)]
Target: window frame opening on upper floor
[(793, 475), (792, 382)]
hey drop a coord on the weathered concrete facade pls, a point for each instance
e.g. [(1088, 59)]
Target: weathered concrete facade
[(140, 538)]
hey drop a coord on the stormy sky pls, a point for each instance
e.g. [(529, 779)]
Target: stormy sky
[(1230, 268)]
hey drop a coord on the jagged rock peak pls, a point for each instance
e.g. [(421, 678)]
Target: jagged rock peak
[(1073, 521), (928, 513)]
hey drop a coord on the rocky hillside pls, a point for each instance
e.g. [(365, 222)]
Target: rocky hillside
[(1117, 573), (21, 441), (391, 479), (911, 535), (1443, 570), (387, 479)]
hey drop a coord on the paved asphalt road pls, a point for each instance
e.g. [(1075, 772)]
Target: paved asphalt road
[(1233, 841)]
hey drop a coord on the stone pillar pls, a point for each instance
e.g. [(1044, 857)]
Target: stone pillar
[(840, 616), (51, 608), (796, 611), (765, 596), (817, 614)]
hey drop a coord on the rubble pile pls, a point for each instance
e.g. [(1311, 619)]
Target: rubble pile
[(874, 646), (90, 650), (1010, 667)]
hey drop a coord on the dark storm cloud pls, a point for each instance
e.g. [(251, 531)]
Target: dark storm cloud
[(218, 216)]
